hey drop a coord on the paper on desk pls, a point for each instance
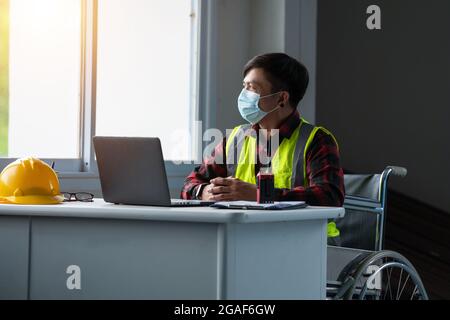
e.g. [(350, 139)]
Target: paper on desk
[(278, 205)]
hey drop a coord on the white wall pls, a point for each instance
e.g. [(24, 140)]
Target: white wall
[(247, 28), (252, 27), (232, 53), (267, 26)]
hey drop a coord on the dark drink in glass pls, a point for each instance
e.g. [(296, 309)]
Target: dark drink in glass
[(266, 186)]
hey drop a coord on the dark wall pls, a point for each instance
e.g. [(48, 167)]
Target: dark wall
[(386, 93)]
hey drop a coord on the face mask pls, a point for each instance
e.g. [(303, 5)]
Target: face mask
[(248, 104)]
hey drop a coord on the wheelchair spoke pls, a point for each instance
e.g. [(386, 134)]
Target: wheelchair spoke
[(407, 278), (399, 283), (414, 291), (388, 285)]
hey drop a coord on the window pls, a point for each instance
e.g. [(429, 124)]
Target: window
[(141, 64), (4, 83), (40, 78), (144, 72)]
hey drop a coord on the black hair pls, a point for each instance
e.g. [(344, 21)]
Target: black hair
[(284, 74)]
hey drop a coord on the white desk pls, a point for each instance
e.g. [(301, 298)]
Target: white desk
[(141, 252)]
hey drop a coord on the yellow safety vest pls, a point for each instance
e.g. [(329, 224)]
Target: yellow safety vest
[(288, 161)]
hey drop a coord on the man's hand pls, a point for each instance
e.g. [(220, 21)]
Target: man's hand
[(206, 193), (229, 189)]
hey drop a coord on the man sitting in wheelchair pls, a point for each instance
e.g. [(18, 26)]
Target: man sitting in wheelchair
[(305, 162)]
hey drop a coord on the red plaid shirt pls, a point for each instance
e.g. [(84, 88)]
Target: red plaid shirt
[(323, 169)]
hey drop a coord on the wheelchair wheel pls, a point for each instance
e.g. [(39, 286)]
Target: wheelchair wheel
[(381, 275)]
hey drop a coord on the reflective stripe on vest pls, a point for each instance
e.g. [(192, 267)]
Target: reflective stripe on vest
[(288, 162)]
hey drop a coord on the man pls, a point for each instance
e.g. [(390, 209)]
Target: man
[(308, 165)]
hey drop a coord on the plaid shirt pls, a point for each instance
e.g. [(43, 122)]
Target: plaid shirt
[(325, 175)]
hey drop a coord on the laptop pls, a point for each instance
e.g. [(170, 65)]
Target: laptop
[(132, 171)]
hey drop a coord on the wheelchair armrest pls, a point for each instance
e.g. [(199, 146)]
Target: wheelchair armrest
[(363, 204), (361, 201)]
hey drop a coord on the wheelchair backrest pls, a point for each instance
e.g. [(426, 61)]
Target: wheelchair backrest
[(359, 228), (363, 185), (362, 226)]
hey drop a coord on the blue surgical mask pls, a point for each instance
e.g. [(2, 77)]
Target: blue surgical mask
[(248, 104)]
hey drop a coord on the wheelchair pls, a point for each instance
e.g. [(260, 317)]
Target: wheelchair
[(358, 267)]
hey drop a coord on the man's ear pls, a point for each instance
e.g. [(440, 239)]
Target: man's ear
[(283, 100)]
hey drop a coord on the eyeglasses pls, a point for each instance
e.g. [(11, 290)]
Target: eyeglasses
[(78, 196)]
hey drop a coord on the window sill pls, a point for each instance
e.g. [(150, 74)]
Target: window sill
[(77, 175)]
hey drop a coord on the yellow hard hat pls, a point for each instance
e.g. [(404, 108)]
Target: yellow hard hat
[(29, 181)]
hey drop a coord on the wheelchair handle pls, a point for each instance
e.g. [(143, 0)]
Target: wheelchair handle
[(398, 171)]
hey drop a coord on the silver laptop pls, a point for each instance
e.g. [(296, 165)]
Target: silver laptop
[(132, 171)]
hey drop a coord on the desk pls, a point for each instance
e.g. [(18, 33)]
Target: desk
[(99, 250)]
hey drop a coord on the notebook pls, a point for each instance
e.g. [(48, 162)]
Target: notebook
[(253, 205)]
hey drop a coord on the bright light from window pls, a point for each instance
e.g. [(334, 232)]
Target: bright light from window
[(44, 78), (143, 74)]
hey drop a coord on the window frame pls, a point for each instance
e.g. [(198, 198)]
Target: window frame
[(202, 89)]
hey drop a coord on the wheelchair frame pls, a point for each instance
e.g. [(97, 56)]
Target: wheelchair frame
[(363, 271)]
